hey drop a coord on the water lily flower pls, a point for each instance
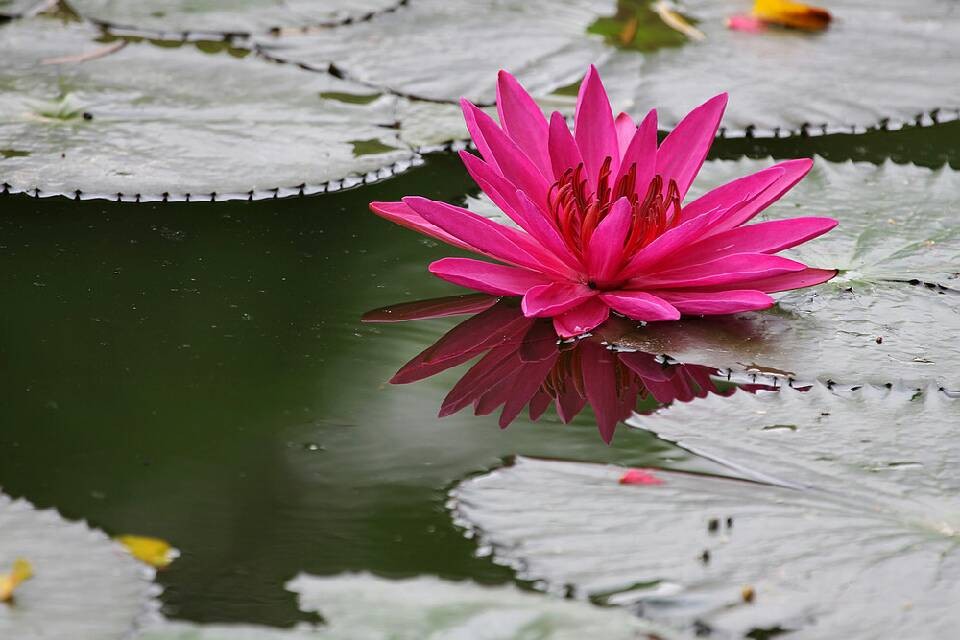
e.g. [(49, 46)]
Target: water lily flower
[(601, 219)]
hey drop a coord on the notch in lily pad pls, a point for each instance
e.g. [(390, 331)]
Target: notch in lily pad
[(641, 25), (350, 98), (370, 147)]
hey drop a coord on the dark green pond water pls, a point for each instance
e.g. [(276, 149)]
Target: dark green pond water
[(200, 373)]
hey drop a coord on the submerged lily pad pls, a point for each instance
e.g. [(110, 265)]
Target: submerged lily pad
[(886, 317), (364, 606), (859, 538), (784, 81), (84, 587), (176, 123), (230, 17)]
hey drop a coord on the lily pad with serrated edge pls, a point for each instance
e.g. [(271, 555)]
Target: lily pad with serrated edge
[(222, 18), (365, 606), (880, 63), (179, 124), (856, 534), (85, 586), (441, 51), (889, 315)]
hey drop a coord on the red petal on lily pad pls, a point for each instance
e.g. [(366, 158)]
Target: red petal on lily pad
[(639, 476)]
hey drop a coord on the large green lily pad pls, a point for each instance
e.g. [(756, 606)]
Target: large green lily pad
[(363, 606), (443, 50), (783, 81), (440, 50), (854, 532), (229, 17), (146, 122), (870, 324), (85, 586)]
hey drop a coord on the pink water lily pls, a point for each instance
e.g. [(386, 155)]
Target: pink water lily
[(601, 222)]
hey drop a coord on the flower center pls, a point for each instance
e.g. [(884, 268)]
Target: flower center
[(577, 211)]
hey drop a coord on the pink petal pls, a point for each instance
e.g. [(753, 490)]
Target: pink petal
[(765, 237), (640, 305), (495, 279), (498, 326), (748, 23), (570, 402), (605, 250), (642, 151), (809, 277), (600, 385), (645, 365), (544, 232), (491, 369), (625, 127), (639, 476), (594, 130), (683, 151), (498, 188), (733, 193), (554, 298), (469, 117), (673, 245), (400, 213), (581, 319), (429, 309), (739, 268), (564, 153), (525, 385), (791, 172), (523, 121), (487, 237), (510, 160), (538, 404), (709, 303)]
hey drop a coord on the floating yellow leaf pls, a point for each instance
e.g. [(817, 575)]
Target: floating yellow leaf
[(787, 13), (152, 551), (10, 581)]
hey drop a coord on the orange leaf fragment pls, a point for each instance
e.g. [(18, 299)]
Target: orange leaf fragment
[(22, 571), (152, 551), (796, 15), (639, 476)]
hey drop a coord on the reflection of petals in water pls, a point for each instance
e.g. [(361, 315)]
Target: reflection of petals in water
[(523, 363)]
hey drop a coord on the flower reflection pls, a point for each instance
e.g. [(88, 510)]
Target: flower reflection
[(523, 363)]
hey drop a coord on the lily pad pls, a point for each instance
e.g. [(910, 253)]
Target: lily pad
[(85, 586), (883, 319), (857, 538), (441, 51), (231, 17), (783, 81), (149, 123), (364, 606)]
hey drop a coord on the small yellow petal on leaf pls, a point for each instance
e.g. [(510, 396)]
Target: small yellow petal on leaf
[(787, 13), (152, 551), (676, 21), (22, 571)]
